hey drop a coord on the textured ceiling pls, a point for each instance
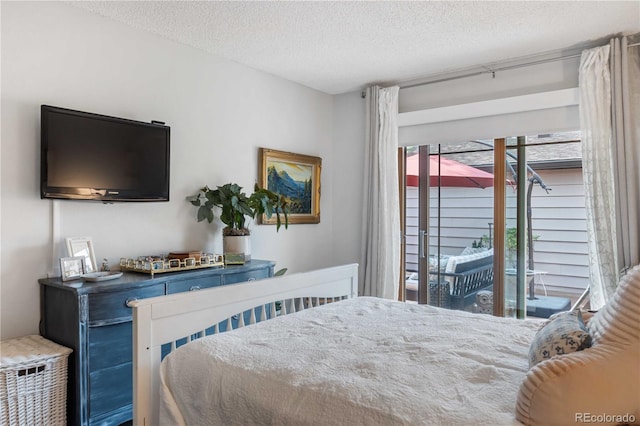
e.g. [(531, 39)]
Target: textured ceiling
[(337, 47)]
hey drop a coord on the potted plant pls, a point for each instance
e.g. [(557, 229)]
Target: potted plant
[(236, 207), (510, 273), (511, 245), (511, 241)]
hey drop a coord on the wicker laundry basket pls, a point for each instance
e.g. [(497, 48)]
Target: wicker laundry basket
[(33, 382)]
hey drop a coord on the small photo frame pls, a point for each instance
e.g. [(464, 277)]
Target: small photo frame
[(71, 268), (83, 246)]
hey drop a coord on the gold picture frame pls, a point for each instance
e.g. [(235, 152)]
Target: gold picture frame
[(301, 170)]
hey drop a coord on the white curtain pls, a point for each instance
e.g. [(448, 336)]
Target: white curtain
[(625, 92), (380, 260), (610, 165)]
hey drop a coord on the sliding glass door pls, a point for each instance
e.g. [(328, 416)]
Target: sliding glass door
[(449, 223), (546, 254), (484, 228)]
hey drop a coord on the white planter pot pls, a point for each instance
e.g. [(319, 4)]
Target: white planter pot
[(237, 249)]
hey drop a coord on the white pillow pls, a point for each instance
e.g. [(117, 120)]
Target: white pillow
[(599, 381), (473, 250), (599, 384), (619, 320), (455, 260)]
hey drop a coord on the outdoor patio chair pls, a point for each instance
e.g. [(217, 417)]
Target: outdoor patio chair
[(466, 275)]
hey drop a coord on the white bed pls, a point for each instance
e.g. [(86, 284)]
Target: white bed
[(355, 361), (377, 362), (358, 361)]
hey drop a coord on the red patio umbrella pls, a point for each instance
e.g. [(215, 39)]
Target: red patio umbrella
[(453, 173)]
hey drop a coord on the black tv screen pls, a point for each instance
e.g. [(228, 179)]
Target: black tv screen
[(87, 156)]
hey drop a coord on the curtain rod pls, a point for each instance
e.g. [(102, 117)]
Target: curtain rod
[(491, 71), (488, 70)]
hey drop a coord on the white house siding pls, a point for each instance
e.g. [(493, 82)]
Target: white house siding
[(558, 219)]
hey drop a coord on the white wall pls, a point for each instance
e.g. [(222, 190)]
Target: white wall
[(348, 176), (219, 112)]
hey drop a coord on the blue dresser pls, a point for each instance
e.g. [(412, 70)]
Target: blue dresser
[(94, 320)]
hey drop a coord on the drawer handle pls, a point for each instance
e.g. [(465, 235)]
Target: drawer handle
[(129, 300), (252, 279), (194, 288)]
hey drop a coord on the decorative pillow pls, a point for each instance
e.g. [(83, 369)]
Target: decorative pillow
[(563, 333), (601, 381), (438, 263), (554, 392), (618, 321), (473, 250), (453, 261)]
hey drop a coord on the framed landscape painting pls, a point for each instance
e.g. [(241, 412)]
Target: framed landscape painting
[(295, 176)]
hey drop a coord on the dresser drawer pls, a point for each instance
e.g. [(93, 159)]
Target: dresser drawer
[(111, 306), (247, 276), (111, 388), (110, 345), (193, 284)]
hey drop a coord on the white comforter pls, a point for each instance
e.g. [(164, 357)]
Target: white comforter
[(362, 361)]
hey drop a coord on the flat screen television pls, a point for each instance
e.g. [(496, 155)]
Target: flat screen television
[(87, 156)]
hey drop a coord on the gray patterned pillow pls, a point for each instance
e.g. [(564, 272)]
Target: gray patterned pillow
[(563, 333)]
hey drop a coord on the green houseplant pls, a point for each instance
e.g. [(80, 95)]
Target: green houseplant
[(511, 240), (511, 244), (235, 208), (510, 285)]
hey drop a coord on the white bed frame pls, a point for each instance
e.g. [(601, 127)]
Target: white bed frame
[(166, 319)]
